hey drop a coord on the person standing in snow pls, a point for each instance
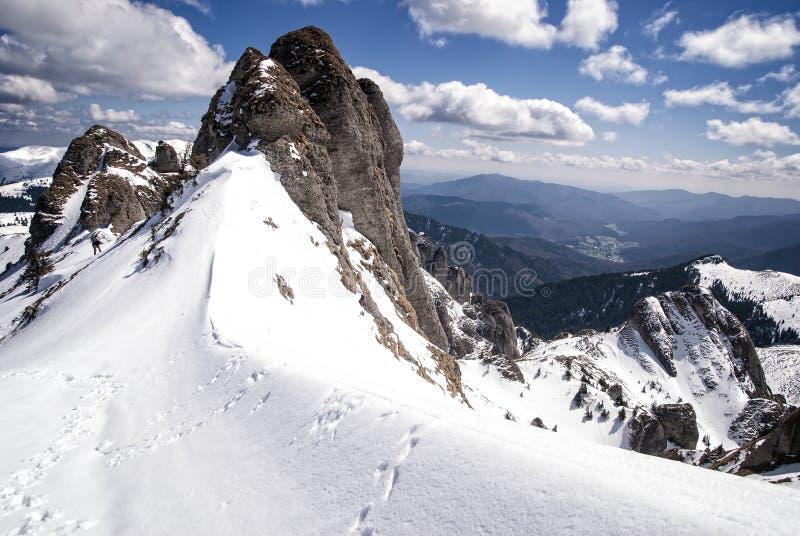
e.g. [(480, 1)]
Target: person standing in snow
[(96, 244)]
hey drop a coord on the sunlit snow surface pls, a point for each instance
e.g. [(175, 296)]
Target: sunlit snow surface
[(190, 397)]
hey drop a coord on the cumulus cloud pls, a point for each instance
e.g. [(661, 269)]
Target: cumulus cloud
[(632, 113), (753, 131), (615, 64), (660, 19), (791, 101), (588, 22), (718, 94), (113, 47), (785, 74), (609, 136), (20, 88), (478, 107), (516, 22), (112, 116), (742, 41)]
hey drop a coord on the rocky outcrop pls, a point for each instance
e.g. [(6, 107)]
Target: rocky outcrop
[(261, 108), (663, 320), (645, 434), (166, 160), (679, 422), (365, 152), (758, 417), (120, 189), (780, 446)]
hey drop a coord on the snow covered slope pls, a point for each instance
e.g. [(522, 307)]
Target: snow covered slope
[(782, 367), (778, 293), (176, 384), (30, 162)]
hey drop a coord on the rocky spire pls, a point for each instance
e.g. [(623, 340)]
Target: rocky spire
[(261, 108), (365, 151), (117, 187)]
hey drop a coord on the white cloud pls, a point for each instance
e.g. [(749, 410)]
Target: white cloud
[(742, 41), (168, 130), (481, 108), (785, 74), (614, 64), (632, 113), (763, 166), (20, 88), (203, 6), (112, 116), (588, 22), (114, 47), (718, 94), (659, 20), (515, 22), (753, 131), (609, 136), (791, 101)]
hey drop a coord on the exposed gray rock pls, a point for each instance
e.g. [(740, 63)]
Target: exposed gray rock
[(649, 319), (679, 422), (261, 107), (758, 417), (526, 341), (645, 434), (780, 446), (660, 321), (166, 160), (614, 391), (365, 152), (120, 189)]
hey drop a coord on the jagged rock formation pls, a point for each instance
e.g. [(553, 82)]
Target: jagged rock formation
[(780, 446), (660, 320), (166, 160), (115, 185), (434, 259), (261, 108), (365, 151), (474, 327), (758, 417), (679, 422)]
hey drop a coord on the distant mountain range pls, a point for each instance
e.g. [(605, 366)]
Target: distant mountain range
[(647, 228)]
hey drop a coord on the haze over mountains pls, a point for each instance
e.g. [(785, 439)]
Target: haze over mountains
[(657, 228)]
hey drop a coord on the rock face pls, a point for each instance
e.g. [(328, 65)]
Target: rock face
[(166, 160), (781, 446), (758, 417), (662, 320), (261, 108), (365, 151), (120, 189), (679, 422), (645, 434)]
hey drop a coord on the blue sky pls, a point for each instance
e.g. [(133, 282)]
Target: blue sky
[(601, 94)]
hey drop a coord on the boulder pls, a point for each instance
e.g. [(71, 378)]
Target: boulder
[(166, 160), (679, 422), (645, 434)]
